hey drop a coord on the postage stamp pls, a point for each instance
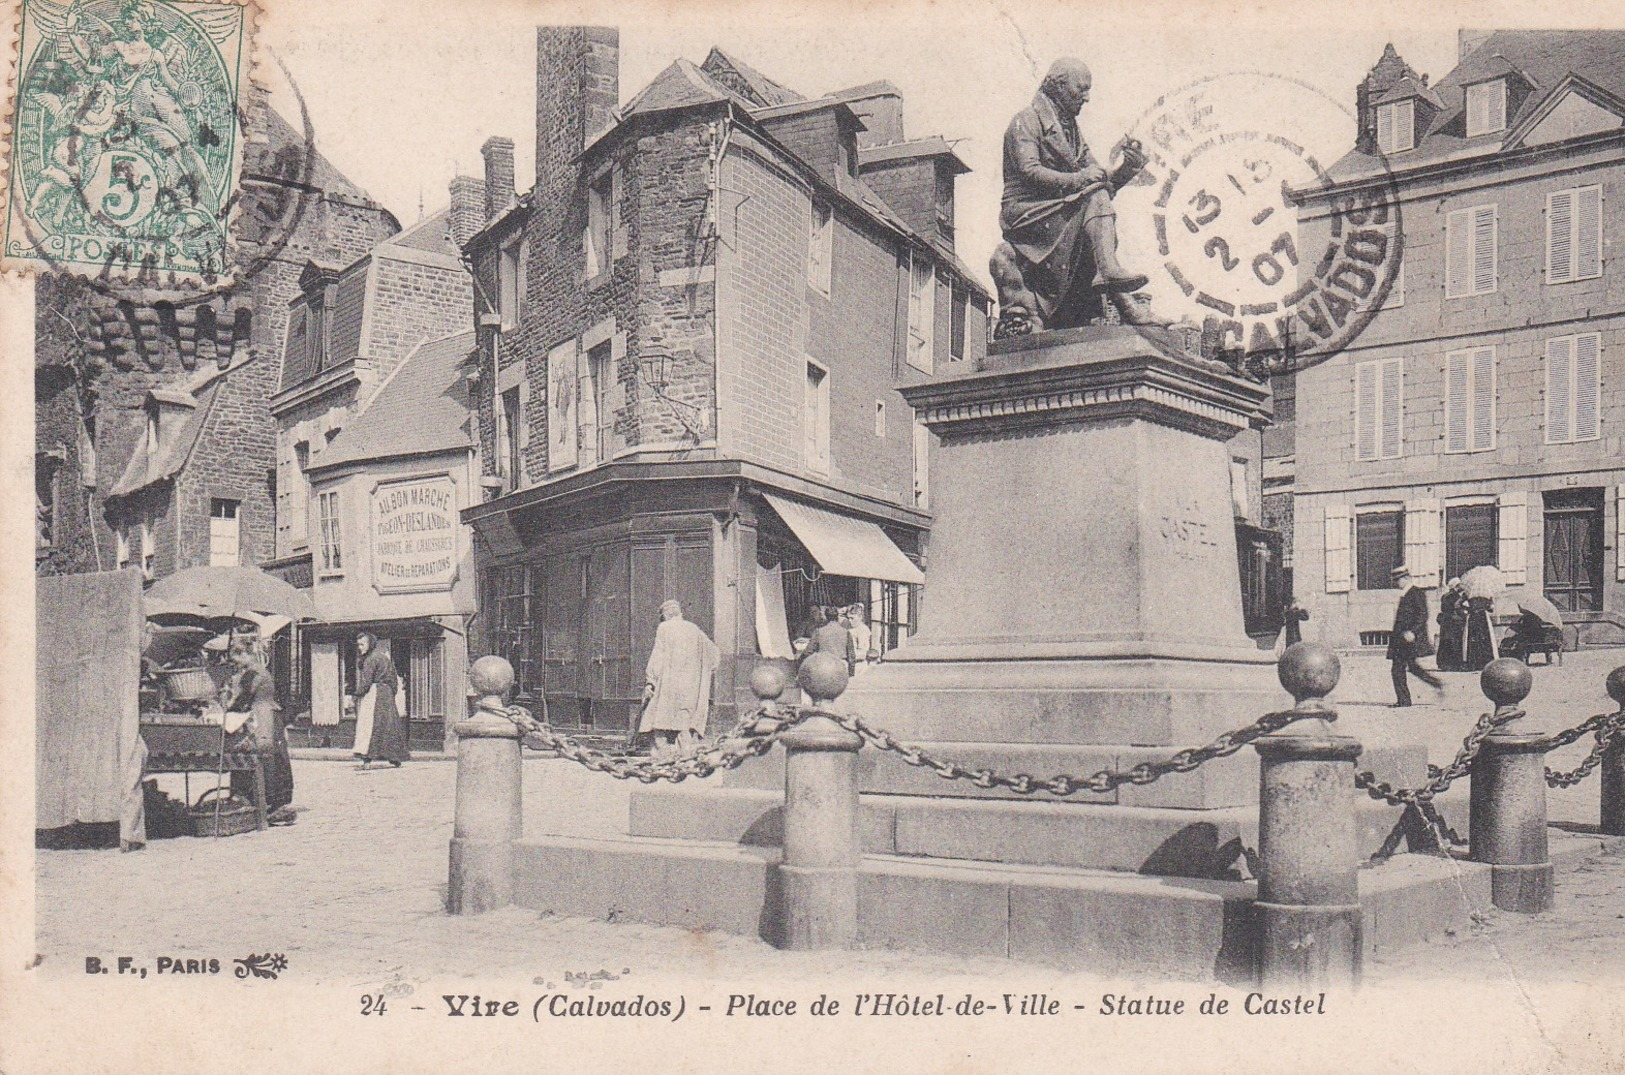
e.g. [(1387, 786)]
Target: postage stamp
[(126, 141)]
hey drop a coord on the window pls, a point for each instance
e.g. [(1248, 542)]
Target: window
[(508, 436), (880, 418), (922, 309), (1469, 405), (1469, 252), (1470, 538), (1486, 107), (1573, 388), (331, 561), (820, 248), (893, 613), (224, 533), (149, 545), (122, 537), (602, 374), (1396, 126), (922, 465), (1238, 488), (959, 305), (604, 240), (815, 413), (1379, 547), (1378, 410), (299, 496), (945, 202), (316, 329), (1573, 234), (509, 288)]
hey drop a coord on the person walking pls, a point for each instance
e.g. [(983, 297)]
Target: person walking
[(1408, 641), (832, 637), (380, 730), (677, 682)]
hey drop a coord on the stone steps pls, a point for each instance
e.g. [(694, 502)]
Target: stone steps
[(1098, 921), (1168, 842)]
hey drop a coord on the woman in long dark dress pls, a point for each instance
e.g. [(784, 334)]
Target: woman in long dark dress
[(1480, 634), (376, 674), (1452, 628), (253, 691)]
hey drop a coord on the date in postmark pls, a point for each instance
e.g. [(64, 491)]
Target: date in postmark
[(127, 139)]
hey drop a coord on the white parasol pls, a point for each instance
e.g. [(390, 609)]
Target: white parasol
[(1484, 581)]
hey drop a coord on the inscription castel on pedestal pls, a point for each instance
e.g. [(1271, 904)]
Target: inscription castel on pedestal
[(1083, 585)]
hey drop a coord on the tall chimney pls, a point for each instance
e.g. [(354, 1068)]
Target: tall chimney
[(499, 190), (467, 208), (578, 88)]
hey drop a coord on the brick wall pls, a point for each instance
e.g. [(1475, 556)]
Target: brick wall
[(413, 302), (232, 460), (812, 136), (909, 188)]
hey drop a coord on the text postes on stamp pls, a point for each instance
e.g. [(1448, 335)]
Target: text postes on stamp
[(127, 140), (1230, 158)]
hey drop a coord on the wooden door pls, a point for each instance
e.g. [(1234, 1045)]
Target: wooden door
[(1574, 552)]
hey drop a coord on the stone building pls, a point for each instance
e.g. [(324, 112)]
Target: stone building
[(690, 335), (1480, 417), (371, 411), (155, 442)]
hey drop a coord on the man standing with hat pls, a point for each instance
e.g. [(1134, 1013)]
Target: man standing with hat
[(1409, 639)]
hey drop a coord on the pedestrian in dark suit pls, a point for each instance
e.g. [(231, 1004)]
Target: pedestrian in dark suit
[(1409, 639)]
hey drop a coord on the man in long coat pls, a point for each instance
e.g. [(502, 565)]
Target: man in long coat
[(1409, 640), (677, 689)]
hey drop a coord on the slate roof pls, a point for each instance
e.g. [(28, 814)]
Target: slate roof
[(1544, 58), (680, 85), (198, 392), (432, 235), (767, 92), (422, 408), (934, 146)]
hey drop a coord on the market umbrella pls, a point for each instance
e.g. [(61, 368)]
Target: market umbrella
[(1484, 581), (1543, 608), (244, 593), (166, 645)]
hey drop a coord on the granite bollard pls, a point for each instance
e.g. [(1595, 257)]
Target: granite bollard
[(1508, 801), (819, 871), (1308, 893), (488, 816), (1612, 820)]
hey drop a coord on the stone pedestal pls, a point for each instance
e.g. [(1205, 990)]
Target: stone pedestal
[(488, 817), (1083, 587), (819, 871)]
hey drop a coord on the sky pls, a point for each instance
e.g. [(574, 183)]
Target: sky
[(403, 93)]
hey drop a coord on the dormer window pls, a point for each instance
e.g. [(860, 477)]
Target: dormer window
[(1396, 126), (1486, 107)]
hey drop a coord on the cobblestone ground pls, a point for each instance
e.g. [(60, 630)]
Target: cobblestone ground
[(353, 893)]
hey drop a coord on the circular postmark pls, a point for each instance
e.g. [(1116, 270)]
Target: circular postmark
[(1254, 239), (144, 161)]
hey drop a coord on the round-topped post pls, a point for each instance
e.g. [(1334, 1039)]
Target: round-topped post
[(819, 871), (1308, 903), (1508, 802), (487, 821), (1613, 764)]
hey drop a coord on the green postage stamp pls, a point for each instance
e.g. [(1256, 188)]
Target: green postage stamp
[(126, 140)]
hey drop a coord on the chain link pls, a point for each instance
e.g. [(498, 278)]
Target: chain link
[(1063, 784), (750, 740), (1608, 728), (1438, 779)]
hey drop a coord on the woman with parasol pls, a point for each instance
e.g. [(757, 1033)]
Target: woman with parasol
[(1482, 585)]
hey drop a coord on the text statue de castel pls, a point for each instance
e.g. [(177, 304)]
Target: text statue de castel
[(1057, 266)]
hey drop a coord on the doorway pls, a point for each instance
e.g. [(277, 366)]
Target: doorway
[(1573, 550)]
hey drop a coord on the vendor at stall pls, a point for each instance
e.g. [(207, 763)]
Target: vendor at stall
[(251, 690)]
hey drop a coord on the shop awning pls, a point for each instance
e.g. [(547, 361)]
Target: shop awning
[(846, 546)]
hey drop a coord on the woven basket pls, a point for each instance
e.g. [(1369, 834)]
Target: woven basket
[(235, 814)]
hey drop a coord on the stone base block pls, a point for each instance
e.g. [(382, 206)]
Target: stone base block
[(1309, 946), (1526, 889), (480, 878)]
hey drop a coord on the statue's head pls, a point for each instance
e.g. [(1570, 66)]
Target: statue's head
[(1067, 84)]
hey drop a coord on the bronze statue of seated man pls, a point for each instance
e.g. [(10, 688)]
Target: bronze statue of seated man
[(1058, 264)]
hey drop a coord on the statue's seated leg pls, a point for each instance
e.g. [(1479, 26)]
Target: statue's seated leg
[(1019, 312), (1100, 225)]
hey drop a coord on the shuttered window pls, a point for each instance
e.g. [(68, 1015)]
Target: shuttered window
[(1471, 538), (1378, 409), (1470, 252), (1512, 537), (224, 533), (1573, 388), (1422, 540), (1573, 234), (1469, 382), (1379, 547), (1486, 107), (1396, 128), (1337, 548), (820, 248)]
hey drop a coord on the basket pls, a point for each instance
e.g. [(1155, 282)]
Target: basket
[(235, 814), (189, 684)]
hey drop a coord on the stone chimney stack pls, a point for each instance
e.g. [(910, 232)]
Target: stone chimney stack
[(578, 88), (499, 188), (468, 198)]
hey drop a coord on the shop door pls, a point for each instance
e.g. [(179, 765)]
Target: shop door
[(1573, 561), (606, 680)]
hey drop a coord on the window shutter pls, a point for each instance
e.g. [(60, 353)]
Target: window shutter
[(586, 410), (1619, 529), (1385, 128), (1455, 404), (1392, 432), (1484, 249), (1483, 399), (1559, 403), (1560, 236), (1513, 553), (1404, 124), (1337, 548), (1588, 232), (1587, 384), (1457, 253), (1365, 410), (1477, 110), (1422, 540)]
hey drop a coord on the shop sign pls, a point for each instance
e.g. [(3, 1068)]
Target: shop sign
[(414, 535)]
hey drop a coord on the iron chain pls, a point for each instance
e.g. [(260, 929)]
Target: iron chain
[(1608, 727), (1438, 779), (749, 740)]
